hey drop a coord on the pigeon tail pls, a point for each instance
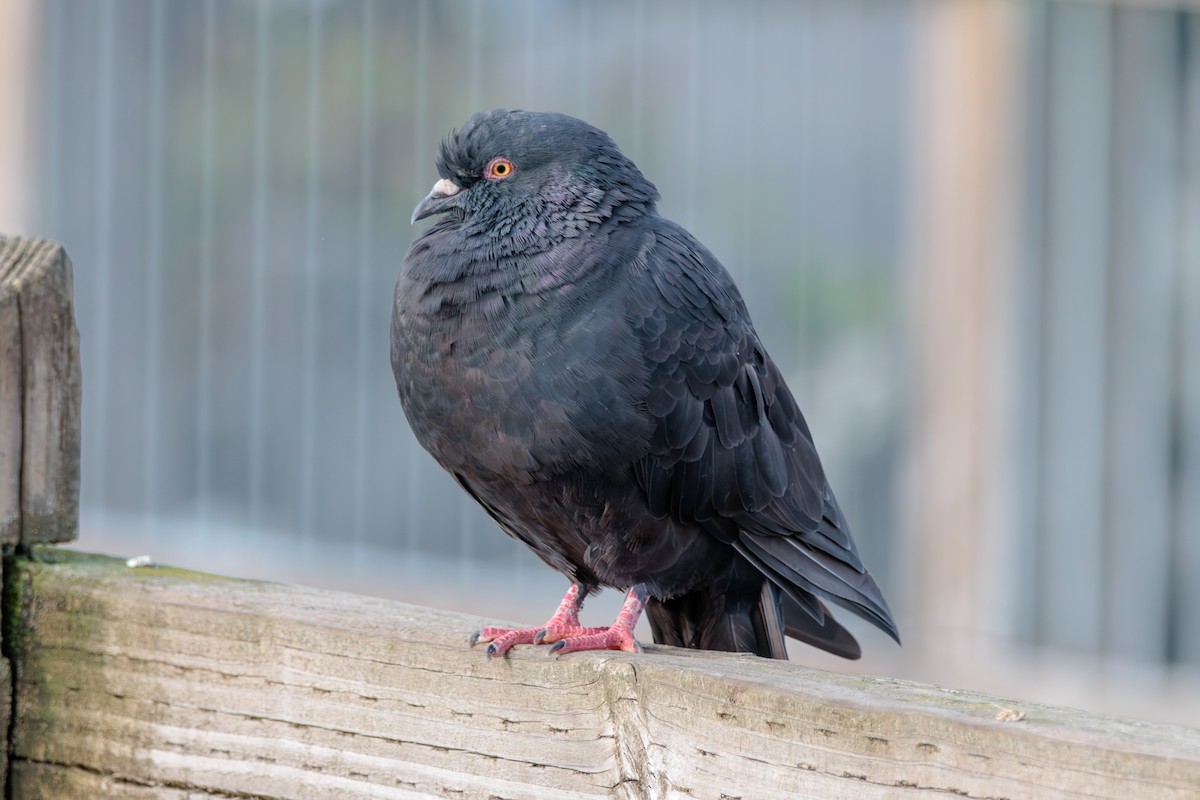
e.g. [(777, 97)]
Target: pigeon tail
[(736, 619), (745, 621)]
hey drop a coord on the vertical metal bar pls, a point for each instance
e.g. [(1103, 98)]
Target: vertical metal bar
[(639, 75), (366, 258), (465, 506), (312, 239), (531, 48), (413, 480), (52, 105), (1076, 298), (1017, 542), (152, 353), (96, 458), (583, 58), (1144, 163), (1185, 558), (256, 444), (748, 135), (204, 369), (475, 48), (811, 20), (693, 113)]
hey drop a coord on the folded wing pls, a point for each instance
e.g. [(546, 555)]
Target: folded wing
[(731, 451)]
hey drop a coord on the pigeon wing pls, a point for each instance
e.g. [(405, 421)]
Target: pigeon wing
[(731, 451)]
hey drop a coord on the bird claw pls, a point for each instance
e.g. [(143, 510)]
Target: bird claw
[(501, 640), (614, 638), (557, 633), (563, 632), (561, 639)]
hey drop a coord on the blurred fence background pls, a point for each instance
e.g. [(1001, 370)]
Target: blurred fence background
[(969, 232)]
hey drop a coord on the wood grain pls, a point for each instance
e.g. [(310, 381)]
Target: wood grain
[(40, 387), (11, 405), (166, 683)]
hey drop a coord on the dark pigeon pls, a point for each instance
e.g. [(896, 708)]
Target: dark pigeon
[(588, 372)]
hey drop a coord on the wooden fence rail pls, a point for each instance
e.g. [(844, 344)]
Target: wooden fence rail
[(156, 682)]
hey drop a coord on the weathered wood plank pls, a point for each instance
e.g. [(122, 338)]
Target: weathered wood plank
[(165, 683), (11, 434), (40, 386), (35, 781)]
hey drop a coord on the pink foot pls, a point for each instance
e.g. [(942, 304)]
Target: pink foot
[(501, 640), (564, 623), (614, 638), (564, 630), (618, 637), (551, 634)]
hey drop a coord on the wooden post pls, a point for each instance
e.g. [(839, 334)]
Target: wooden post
[(39, 394), (164, 683), (39, 412), (968, 74)]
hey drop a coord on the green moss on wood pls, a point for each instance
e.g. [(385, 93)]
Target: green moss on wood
[(95, 565), (40, 692), (15, 610)]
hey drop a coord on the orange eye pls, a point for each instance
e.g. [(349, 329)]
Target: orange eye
[(499, 168)]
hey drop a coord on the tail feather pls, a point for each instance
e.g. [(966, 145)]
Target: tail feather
[(828, 634), (746, 621), (733, 621)]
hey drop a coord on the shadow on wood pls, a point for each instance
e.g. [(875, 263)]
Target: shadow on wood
[(136, 683)]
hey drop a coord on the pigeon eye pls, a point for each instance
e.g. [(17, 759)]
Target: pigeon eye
[(498, 169)]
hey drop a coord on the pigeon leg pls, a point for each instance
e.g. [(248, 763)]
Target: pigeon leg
[(564, 623), (618, 637)]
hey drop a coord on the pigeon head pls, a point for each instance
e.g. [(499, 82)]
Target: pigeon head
[(502, 169)]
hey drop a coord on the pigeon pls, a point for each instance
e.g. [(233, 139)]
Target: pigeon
[(588, 372)]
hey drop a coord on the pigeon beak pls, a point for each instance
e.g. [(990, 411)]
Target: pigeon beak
[(439, 199)]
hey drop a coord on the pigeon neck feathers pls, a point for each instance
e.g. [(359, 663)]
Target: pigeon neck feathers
[(569, 181)]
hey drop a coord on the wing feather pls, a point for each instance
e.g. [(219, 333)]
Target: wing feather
[(731, 446)]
